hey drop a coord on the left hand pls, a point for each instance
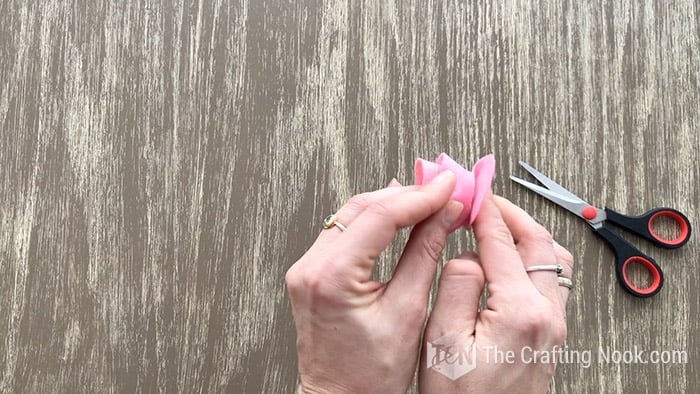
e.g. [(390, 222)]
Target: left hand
[(355, 334)]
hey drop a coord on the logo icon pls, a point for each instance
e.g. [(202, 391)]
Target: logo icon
[(452, 355)]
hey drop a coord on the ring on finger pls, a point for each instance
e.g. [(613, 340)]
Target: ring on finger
[(566, 282), (554, 267), (332, 221)]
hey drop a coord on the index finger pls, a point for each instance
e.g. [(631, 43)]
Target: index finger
[(499, 258)]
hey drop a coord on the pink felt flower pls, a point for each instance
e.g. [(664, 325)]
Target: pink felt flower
[(471, 187)]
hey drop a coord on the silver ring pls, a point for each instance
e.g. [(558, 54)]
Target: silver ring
[(566, 282), (332, 221), (556, 268)]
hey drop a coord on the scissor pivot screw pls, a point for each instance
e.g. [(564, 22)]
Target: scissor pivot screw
[(589, 213)]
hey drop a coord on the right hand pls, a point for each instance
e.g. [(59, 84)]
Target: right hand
[(523, 309)]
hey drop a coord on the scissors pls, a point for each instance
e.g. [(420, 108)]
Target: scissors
[(625, 253)]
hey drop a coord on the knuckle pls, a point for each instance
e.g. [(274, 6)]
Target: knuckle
[(380, 208), (541, 236), (358, 202), (499, 233), (564, 255), (310, 280), (323, 282), (432, 247), (543, 325), (291, 278), (535, 321), (559, 330), (314, 281)]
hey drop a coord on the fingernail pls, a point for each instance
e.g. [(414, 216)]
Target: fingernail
[(452, 211), (393, 183), (443, 177)]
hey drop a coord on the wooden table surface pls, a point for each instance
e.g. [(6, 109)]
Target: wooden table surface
[(163, 164)]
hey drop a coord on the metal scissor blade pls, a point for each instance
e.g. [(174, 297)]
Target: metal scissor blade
[(574, 205), (550, 184)]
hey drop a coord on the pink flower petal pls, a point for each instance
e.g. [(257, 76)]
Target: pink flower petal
[(425, 171), (484, 170), (471, 187)]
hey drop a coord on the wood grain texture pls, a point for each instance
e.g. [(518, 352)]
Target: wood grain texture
[(162, 164)]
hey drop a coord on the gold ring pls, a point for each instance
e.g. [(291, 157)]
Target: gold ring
[(332, 221), (566, 282)]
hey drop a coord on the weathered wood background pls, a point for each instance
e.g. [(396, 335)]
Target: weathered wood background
[(163, 164)]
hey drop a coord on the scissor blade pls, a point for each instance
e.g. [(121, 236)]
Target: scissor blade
[(574, 205), (550, 184)]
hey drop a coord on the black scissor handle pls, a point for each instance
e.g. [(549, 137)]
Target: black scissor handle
[(641, 225), (626, 254)]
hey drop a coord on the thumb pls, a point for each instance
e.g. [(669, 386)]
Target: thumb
[(456, 306), (416, 268)]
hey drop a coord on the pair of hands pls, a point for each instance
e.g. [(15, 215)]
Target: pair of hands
[(361, 336)]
